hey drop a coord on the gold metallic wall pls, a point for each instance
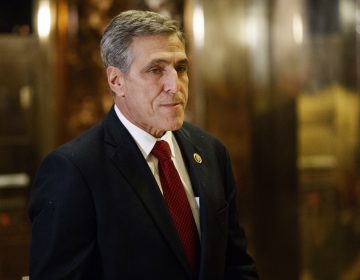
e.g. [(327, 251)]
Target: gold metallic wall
[(254, 114), (278, 81)]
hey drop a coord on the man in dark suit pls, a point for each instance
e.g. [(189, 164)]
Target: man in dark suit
[(109, 205)]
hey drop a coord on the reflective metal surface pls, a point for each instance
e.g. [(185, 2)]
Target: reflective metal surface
[(279, 83)]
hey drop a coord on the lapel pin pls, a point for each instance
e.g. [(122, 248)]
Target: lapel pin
[(197, 158)]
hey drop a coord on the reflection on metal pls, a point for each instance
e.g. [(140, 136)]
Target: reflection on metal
[(256, 40), (357, 17), (253, 27), (198, 25), (317, 162), (154, 4), (347, 14), (17, 180), (293, 67), (44, 19), (25, 97), (298, 29)]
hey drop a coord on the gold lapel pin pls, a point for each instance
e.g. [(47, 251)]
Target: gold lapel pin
[(197, 158)]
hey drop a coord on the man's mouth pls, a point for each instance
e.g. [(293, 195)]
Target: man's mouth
[(172, 104)]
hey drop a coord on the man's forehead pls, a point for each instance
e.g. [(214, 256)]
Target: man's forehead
[(167, 57), (159, 48)]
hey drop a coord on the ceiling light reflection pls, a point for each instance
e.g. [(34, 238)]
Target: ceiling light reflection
[(298, 31), (198, 26), (44, 19)]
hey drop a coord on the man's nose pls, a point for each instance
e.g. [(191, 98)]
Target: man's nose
[(171, 81)]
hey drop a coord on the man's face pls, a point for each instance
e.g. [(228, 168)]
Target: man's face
[(154, 93)]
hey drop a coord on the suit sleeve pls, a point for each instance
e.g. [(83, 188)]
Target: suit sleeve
[(63, 222), (239, 265)]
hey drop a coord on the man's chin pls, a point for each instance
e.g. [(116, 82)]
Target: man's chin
[(176, 125)]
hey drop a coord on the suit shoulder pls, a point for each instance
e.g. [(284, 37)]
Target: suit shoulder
[(83, 147)]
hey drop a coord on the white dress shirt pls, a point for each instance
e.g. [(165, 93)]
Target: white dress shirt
[(146, 142)]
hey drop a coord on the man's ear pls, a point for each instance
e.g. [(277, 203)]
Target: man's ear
[(115, 79)]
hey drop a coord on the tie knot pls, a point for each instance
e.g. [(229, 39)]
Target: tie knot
[(161, 150)]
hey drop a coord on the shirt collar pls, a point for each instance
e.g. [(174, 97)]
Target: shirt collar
[(143, 139)]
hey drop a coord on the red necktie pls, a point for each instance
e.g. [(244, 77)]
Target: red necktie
[(178, 204)]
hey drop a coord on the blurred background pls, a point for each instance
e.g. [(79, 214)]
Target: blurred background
[(277, 81)]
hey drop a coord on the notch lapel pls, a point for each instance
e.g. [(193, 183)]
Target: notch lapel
[(197, 173), (130, 162), (209, 202)]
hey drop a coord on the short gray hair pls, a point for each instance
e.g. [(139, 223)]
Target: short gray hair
[(118, 35)]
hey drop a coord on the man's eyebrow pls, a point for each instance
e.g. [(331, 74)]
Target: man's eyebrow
[(164, 61), (183, 61)]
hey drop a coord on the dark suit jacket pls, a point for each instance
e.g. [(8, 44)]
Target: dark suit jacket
[(98, 213)]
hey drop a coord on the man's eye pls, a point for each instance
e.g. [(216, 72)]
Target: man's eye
[(181, 69), (155, 70)]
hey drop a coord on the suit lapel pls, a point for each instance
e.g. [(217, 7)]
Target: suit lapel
[(131, 164), (198, 175), (197, 171), (209, 202)]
